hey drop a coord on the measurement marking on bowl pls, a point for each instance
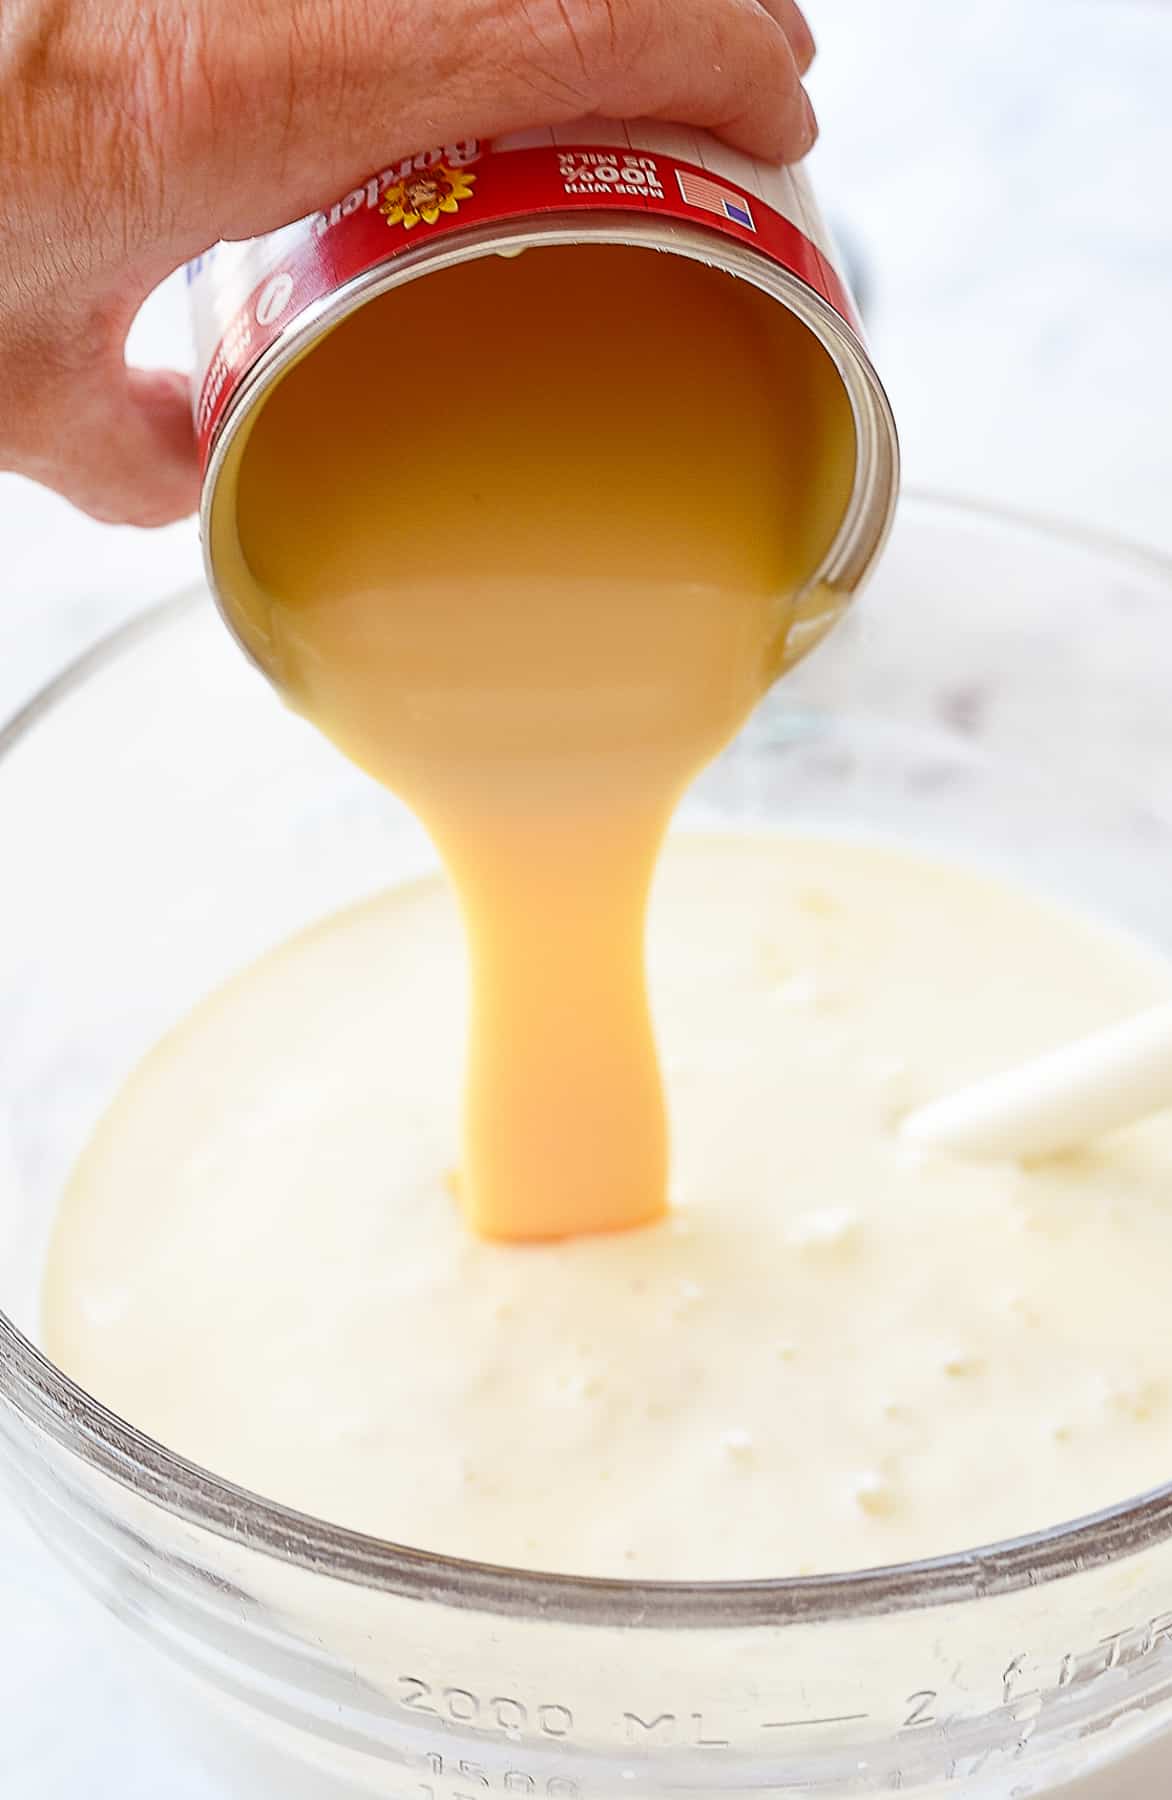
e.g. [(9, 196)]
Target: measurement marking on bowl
[(832, 1719), (512, 1781)]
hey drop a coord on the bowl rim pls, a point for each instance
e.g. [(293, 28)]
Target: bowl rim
[(49, 1402)]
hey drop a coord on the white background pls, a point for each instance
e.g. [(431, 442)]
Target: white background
[(1002, 170)]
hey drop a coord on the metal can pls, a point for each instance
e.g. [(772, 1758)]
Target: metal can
[(259, 305)]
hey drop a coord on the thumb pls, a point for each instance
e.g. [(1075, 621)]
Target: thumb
[(128, 452), (117, 441)]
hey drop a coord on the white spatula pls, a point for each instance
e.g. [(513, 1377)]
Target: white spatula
[(1058, 1102)]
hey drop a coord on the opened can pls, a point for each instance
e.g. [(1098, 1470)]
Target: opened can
[(260, 304)]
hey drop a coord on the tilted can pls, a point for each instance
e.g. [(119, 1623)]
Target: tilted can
[(259, 304)]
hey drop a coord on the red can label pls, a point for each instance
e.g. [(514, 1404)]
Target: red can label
[(245, 296)]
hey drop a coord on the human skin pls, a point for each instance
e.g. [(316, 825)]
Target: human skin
[(133, 133)]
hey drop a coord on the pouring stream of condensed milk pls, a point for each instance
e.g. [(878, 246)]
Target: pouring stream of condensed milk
[(528, 540)]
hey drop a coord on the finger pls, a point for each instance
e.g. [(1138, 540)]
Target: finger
[(793, 22), (732, 66), (739, 78)]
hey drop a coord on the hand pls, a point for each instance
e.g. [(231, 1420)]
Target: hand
[(133, 133)]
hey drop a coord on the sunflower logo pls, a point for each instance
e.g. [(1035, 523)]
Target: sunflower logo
[(425, 195)]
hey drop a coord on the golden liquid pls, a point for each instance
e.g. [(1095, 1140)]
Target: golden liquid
[(528, 539)]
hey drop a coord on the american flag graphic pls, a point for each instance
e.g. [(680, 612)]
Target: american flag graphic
[(697, 190)]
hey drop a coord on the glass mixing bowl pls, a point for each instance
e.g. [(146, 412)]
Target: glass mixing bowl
[(1003, 688)]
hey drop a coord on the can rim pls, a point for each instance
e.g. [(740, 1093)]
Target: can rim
[(58, 1409), (870, 513)]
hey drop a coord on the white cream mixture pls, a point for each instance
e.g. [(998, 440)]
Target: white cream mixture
[(833, 1354)]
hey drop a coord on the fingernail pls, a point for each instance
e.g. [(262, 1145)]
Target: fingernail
[(809, 123)]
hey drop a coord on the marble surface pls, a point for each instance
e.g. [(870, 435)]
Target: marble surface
[(1001, 173)]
